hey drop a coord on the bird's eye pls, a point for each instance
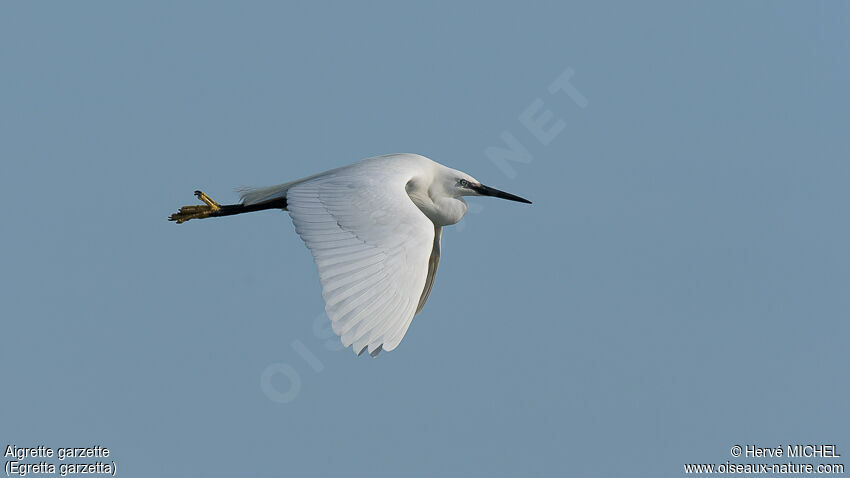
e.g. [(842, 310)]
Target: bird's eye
[(463, 183)]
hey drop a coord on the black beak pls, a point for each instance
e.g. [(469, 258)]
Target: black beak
[(488, 191)]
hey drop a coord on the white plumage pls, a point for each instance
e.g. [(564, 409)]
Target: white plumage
[(374, 230)]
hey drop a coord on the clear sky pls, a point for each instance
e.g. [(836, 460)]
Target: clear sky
[(680, 285)]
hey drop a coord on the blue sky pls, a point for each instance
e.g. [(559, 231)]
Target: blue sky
[(680, 285)]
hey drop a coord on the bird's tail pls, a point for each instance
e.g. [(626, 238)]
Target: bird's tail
[(258, 195), (251, 196)]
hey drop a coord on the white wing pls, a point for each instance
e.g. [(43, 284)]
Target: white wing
[(372, 246)]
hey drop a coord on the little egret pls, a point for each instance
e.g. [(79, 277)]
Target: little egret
[(374, 230)]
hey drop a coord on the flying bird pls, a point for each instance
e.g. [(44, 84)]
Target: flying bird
[(374, 230)]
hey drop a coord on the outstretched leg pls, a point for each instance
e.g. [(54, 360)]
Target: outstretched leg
[(214, 209)]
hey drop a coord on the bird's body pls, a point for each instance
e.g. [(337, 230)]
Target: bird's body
[(374, 229)]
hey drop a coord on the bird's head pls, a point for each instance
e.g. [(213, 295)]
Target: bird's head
[(460, 184), (440, 196)]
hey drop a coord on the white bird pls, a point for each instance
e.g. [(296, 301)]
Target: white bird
[(374, 230)]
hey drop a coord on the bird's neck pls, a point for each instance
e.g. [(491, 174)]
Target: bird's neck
[(441, 210)]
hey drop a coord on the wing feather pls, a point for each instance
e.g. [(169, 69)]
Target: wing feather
[(373, 250), (433, 262)]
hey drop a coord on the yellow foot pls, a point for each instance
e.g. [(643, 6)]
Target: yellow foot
[(210, 208)]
